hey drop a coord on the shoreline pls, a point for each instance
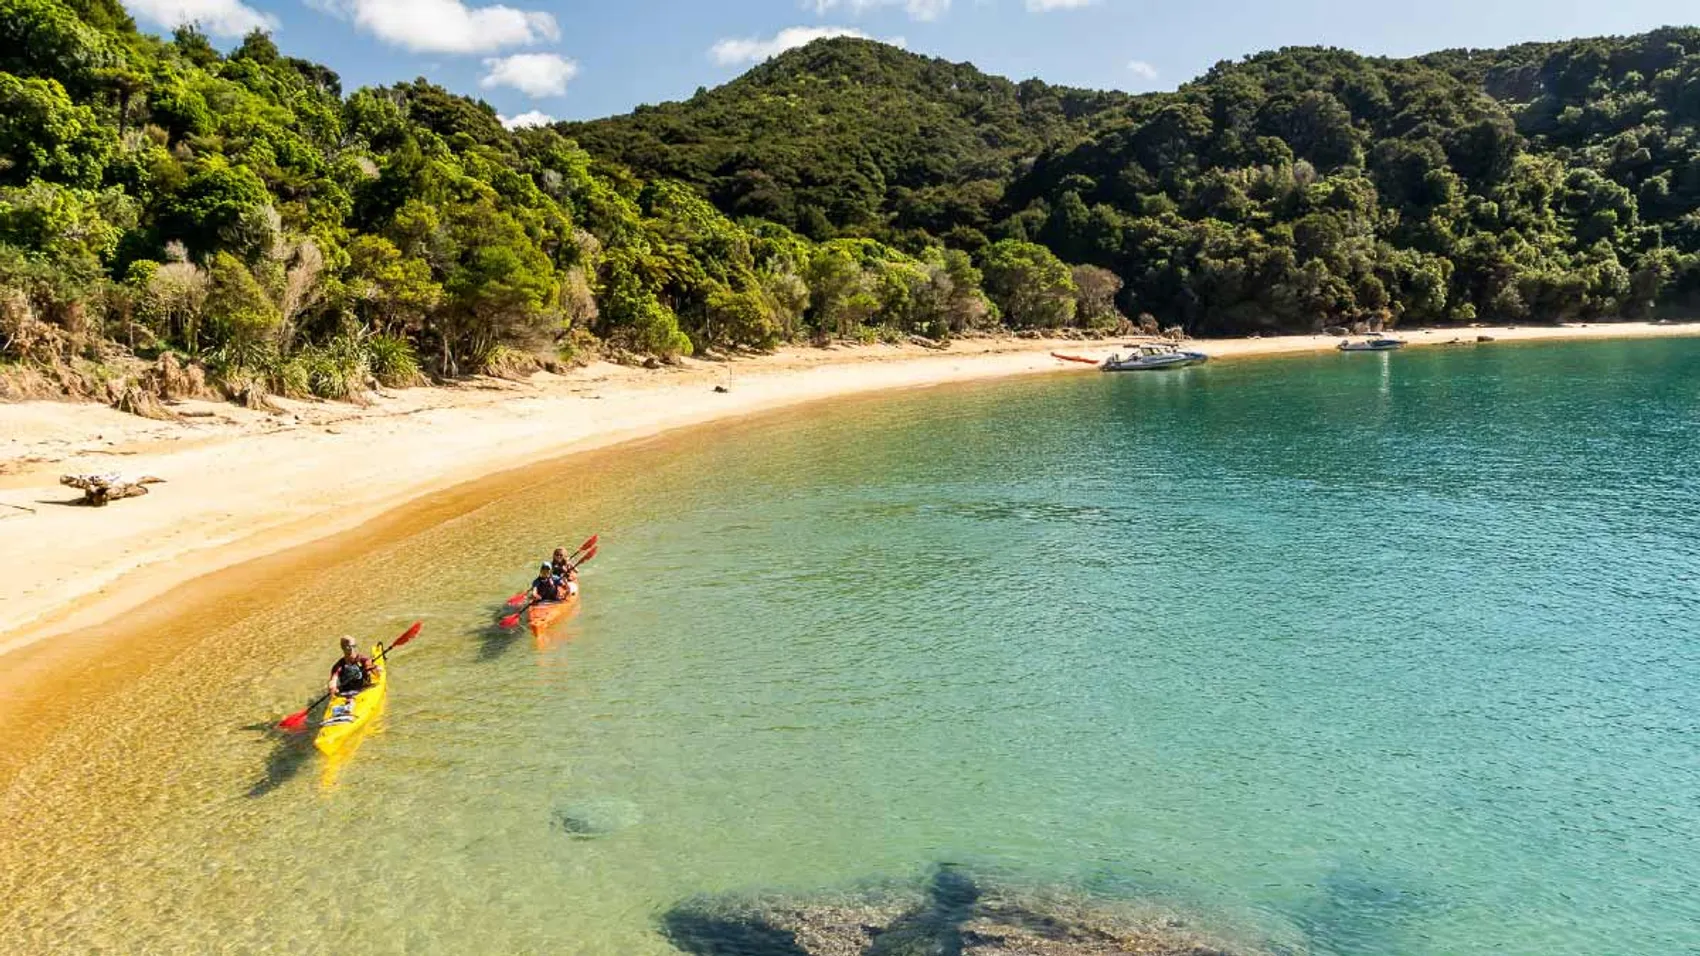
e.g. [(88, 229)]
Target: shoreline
[(242, 485)]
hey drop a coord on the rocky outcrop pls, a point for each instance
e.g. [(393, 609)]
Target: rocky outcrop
[(951, 916)]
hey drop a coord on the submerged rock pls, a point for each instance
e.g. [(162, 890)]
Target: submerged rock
[(589, 819), (951, 916)]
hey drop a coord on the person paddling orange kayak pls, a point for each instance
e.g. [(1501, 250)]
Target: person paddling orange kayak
[(547, 589), (556, 584)]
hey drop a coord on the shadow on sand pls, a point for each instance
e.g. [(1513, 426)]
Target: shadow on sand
[(288, 758), (495, 641)]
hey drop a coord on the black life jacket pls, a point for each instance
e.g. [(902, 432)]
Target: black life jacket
[(351, 676)]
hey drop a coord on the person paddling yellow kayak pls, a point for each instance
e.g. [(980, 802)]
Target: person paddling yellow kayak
[(353, 672), (357, 688)]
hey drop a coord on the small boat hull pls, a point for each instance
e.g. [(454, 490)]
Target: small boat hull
[(1153, 363), (346, 717), (1380, 345), (541, 617)]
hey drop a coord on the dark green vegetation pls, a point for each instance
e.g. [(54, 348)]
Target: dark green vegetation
[(239, 217), (1294, 189), (240, 213)]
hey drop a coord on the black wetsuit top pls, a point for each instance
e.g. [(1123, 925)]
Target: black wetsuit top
[(548, 589), (353, 676)]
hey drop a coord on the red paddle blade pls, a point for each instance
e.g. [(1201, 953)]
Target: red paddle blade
[(587, 557), (510, 620), (294, 723), (577, 557), (408, 634), (517, 600)]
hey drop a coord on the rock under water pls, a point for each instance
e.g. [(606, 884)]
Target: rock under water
[(589, 819), (952, 915)]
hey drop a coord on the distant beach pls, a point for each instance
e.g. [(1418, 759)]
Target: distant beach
[(242, 484)]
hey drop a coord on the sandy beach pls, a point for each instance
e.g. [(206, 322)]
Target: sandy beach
[(240, 484)]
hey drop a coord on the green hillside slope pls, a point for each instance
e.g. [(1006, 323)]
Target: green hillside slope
[(242, 213)]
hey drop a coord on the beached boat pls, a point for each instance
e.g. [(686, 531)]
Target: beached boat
[(1372, 345), (1074, 358), (1149, 357), (541, 617), (346, 717)]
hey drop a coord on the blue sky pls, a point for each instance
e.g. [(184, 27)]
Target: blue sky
[(589, 58)]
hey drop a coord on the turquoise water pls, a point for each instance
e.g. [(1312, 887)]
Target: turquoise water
[(1341, 654)]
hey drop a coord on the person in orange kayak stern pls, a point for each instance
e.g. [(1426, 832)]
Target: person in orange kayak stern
[(353, 672), (547, 589), (559, 563)]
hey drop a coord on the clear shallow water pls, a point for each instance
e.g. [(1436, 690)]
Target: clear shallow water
[(1358, 654)]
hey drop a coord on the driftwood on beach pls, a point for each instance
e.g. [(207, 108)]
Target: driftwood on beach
[(99, 490)]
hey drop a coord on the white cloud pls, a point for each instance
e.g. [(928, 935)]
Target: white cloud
[(225, 18), (445, 26), (917, 9), (535, 74), (525, 120), (755, 49), (1046, 6), (1142, 69)]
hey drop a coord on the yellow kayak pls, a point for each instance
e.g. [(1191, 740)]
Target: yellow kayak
[(345, 717)]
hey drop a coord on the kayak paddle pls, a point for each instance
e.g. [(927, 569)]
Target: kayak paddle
[(297, 721), (513, 618), (589, 544)]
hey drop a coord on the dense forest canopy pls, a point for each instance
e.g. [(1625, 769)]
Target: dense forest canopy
[(1292, 189), (245, 215)]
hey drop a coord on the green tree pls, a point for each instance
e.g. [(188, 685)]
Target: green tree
[(1032, 287), (44, 135), (390, 292), (46, 39), (241, 318), (216, 210)]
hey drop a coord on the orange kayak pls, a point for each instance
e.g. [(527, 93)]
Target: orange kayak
[(1074, 358), (541, 617)]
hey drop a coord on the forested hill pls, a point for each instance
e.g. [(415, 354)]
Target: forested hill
[(1545, 181), (845, 133), (167, 205)]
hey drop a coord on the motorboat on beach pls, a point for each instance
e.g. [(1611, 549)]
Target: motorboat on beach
[(1147, 357), (1372, 345)]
